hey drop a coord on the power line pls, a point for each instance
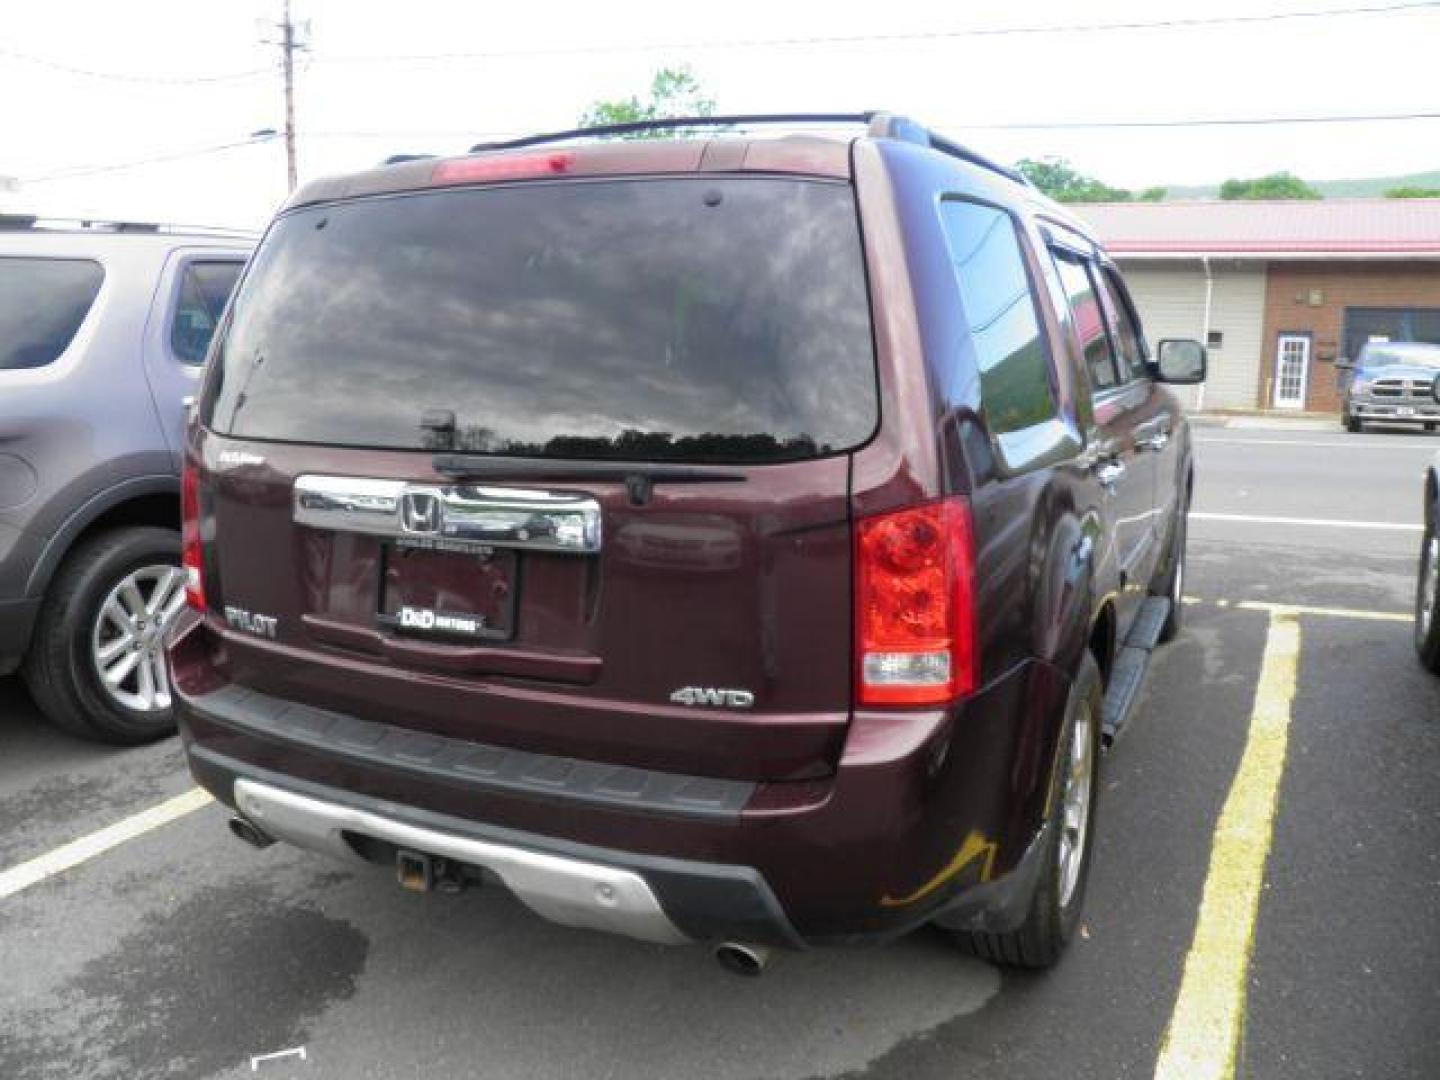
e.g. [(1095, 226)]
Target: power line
[(124, 77), (1217, 121), (420, 136), (734, 43), (897, 36), (120, 166)]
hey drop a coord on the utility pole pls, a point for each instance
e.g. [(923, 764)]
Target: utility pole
[(289, 42), (287, 51)]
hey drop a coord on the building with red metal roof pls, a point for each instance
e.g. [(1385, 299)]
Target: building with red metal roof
[(1279, 290)]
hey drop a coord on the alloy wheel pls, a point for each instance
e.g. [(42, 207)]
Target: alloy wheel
[(127, 642), (1075, 798)]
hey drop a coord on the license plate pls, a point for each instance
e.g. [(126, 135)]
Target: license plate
[(1405, 410), (448, 595)]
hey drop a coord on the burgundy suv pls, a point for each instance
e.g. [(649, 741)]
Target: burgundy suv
[(739, 540)]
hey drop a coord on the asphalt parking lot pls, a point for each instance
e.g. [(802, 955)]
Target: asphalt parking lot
[(181, 953)]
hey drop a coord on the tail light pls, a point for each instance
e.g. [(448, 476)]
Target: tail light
[(192, 556), (915, 605)]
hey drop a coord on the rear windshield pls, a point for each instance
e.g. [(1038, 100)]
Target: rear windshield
[(696, 319), (42, 304)]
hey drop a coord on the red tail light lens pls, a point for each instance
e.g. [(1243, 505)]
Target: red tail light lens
[(507, 167), (191, 554), (915, 605)]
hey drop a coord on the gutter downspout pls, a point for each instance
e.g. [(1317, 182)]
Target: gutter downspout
[(1205, 332)]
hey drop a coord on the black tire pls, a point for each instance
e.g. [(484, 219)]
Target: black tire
[(1050, 924), (1353, 425), (1429, 425), (1171, 581), (60, 669), (1427, 590)]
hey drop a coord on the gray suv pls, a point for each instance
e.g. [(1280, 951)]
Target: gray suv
[(103, 332)]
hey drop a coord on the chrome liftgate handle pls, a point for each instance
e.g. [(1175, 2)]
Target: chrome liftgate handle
[(454, 514)]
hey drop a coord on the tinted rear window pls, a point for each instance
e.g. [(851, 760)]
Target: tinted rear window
[(42, 304), (696, 319)]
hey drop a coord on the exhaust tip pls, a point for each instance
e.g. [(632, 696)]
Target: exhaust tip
[(741, 959), (244, 829)]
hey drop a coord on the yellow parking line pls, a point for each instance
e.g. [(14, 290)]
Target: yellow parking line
[(63, 858), (1202, 1039), (1304, 609)]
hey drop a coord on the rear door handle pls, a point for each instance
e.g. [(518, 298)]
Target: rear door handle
[(1158, 441)]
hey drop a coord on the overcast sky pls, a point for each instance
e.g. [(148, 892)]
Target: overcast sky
[(357, 104)]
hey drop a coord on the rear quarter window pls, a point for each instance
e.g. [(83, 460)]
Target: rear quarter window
[(42, 304), (697, 319), (205, 285), (1000, 311)]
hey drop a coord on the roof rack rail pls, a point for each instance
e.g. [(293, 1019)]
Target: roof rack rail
[(670, 123), (881, 125), (41, 223), (894, 126)]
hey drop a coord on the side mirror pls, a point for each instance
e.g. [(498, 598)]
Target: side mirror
[(1180, 361), (1435, 388)]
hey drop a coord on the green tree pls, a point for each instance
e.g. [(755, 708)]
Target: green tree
[(1412, 192), (1280, 185), (1060, 180), (673, 92), (1152, 194)]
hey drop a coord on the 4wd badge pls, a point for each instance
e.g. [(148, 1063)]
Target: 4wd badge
[(716, 696)]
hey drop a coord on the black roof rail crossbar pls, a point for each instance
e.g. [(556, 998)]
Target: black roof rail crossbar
[(669, 123), (880, 124), (894, 126)]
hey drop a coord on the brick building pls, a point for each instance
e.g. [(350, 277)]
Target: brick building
[(1278, 290)]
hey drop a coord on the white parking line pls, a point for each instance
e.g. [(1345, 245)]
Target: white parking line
[(63, 858), (1326, 523)]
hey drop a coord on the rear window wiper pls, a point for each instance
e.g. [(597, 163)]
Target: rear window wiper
[(638, 477)]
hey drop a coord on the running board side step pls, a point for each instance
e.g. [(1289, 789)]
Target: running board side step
[(1127, 675)]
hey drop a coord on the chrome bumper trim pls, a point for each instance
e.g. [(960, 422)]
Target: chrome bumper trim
[(568, 891)]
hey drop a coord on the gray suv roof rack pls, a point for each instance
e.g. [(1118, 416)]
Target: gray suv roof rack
[(39, 222), (882, 125)]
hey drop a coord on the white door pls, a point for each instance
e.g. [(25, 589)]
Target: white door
[(1292, 371)]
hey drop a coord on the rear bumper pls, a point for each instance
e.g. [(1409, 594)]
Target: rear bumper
[(928, 816), (654, 899)]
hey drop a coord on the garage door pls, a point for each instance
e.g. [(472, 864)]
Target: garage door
[(1389, 324)]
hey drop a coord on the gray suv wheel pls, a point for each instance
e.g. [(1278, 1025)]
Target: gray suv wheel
[(96, 665)]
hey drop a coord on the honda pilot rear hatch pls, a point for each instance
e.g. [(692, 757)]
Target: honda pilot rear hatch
[(556, 465)]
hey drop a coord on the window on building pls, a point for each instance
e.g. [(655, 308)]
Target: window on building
[(42, 304), (1214, 339)]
